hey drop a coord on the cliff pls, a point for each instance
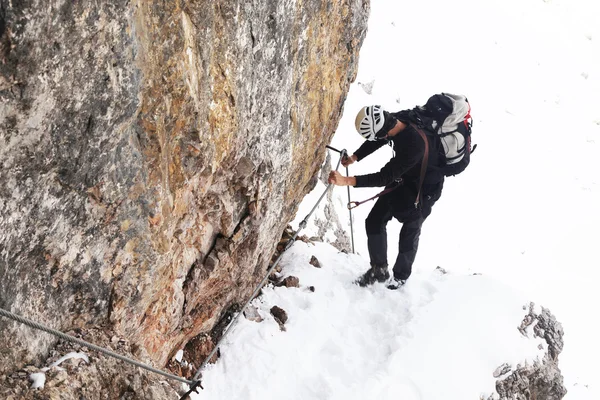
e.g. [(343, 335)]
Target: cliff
[(152, 153)]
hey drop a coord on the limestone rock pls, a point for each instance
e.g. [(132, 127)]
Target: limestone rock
[(501, 370), (279, 314), (367, 87), (542, 379), (251, 313), (314, 262), (290, 281), (151, 154), (102, 378)]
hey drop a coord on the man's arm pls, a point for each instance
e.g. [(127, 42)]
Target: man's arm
[(367, 148), (410, 151), (364, 150)]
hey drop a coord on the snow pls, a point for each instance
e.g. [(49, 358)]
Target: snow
[(39, 378), (68, 356), (525, 214), (179, 356), (347, 342)]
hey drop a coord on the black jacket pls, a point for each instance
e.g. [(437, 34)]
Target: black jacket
[(409, 149)]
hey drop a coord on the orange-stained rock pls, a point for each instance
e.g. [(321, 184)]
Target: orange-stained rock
[(153, 152)]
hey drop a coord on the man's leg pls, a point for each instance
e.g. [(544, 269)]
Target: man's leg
[(377, 243), (407, 248), (375, 225)]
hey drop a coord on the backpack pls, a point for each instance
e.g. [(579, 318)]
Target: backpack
[(449, 116)]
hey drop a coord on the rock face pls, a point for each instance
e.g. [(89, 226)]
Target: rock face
[(543, 379), (153, 152), (101, 378)]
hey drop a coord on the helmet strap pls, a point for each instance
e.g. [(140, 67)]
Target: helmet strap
[(388, 125)]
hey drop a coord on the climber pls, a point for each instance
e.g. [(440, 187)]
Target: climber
[(410, 192)]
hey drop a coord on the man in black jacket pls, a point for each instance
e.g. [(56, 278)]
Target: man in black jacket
[(414, 193)]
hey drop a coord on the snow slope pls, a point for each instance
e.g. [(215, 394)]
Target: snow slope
[(441, 336)]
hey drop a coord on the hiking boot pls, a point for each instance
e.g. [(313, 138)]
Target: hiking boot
[(377, 273), (395, 283)]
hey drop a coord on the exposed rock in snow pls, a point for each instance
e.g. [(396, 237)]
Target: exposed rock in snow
[(314, 262), (502, 370), (251, 313), (280, 316), (441, 270), (541, 379), (290, 281), (367, 87)]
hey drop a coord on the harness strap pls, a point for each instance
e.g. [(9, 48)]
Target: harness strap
[(354, 204), (423, 163)]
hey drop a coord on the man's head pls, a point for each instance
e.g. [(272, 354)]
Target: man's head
[(373, 123)]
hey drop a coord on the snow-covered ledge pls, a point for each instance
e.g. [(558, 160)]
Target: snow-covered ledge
[(442, 336)]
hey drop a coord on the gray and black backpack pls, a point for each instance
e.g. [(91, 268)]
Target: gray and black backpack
[(449, 116), (452, 122)]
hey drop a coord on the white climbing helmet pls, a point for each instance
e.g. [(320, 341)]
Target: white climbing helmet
[(369, 121)]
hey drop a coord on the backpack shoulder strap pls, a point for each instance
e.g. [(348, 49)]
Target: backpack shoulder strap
[(423, 163)]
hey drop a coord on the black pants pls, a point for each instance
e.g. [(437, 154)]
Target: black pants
[(411, 219)]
